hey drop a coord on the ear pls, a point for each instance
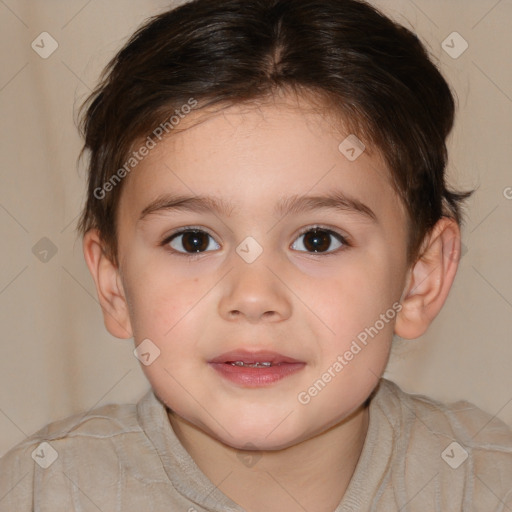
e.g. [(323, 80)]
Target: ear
[(429, 280), (108, 286)]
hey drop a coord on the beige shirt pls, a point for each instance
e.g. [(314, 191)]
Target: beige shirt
[(419, 455)]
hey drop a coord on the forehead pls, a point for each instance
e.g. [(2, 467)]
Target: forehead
[(251, 155)]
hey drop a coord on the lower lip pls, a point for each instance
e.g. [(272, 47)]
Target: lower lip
[(256, 377)]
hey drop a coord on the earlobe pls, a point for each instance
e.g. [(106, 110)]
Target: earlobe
[(429, 280), (108, 286)]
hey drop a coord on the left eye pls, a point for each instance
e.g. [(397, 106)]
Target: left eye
[(192, 241), (319, 240)]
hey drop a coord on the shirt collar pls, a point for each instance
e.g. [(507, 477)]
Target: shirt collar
[(188, 479), (183, 473)]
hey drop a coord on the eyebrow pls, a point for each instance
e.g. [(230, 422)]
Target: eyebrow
[(334, 200)]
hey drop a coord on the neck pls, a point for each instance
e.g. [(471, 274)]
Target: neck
[(312, 475)]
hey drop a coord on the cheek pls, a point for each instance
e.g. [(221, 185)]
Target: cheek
[(159, 298), (354, 294)]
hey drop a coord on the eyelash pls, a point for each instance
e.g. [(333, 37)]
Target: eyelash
[(195, 255)]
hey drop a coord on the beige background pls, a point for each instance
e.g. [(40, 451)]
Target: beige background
[(58, 359)]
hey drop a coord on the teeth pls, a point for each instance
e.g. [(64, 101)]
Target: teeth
[(251, 365)]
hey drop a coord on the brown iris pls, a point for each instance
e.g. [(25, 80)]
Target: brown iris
[(194, 241), (317, 240)]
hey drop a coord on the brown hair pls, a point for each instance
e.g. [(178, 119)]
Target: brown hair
[(374, 73)]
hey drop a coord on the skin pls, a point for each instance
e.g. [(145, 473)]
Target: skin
[(291, 300)]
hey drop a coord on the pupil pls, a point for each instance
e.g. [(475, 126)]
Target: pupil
[(317, 241), (194, 241)]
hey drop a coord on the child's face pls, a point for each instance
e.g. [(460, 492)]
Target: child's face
[(290, 300)]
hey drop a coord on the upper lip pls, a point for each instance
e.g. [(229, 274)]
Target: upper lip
[(259, 356)]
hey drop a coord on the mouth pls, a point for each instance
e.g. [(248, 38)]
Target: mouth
[(257, 364), (255, 369), (252, 358)]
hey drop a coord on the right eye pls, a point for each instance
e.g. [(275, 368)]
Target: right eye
[(191, 241)]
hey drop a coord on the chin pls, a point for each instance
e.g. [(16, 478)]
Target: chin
[(259, 443), (260, 436)]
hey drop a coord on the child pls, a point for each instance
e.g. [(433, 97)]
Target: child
[(267, 206)]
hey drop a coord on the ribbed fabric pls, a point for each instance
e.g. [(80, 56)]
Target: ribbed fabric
[(124, 458)]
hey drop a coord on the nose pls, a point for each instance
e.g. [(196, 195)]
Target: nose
[(255, 293)]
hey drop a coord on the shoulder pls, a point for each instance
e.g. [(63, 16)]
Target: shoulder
[(464, 446), (462, 419), (52, 453), (105, 421)]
